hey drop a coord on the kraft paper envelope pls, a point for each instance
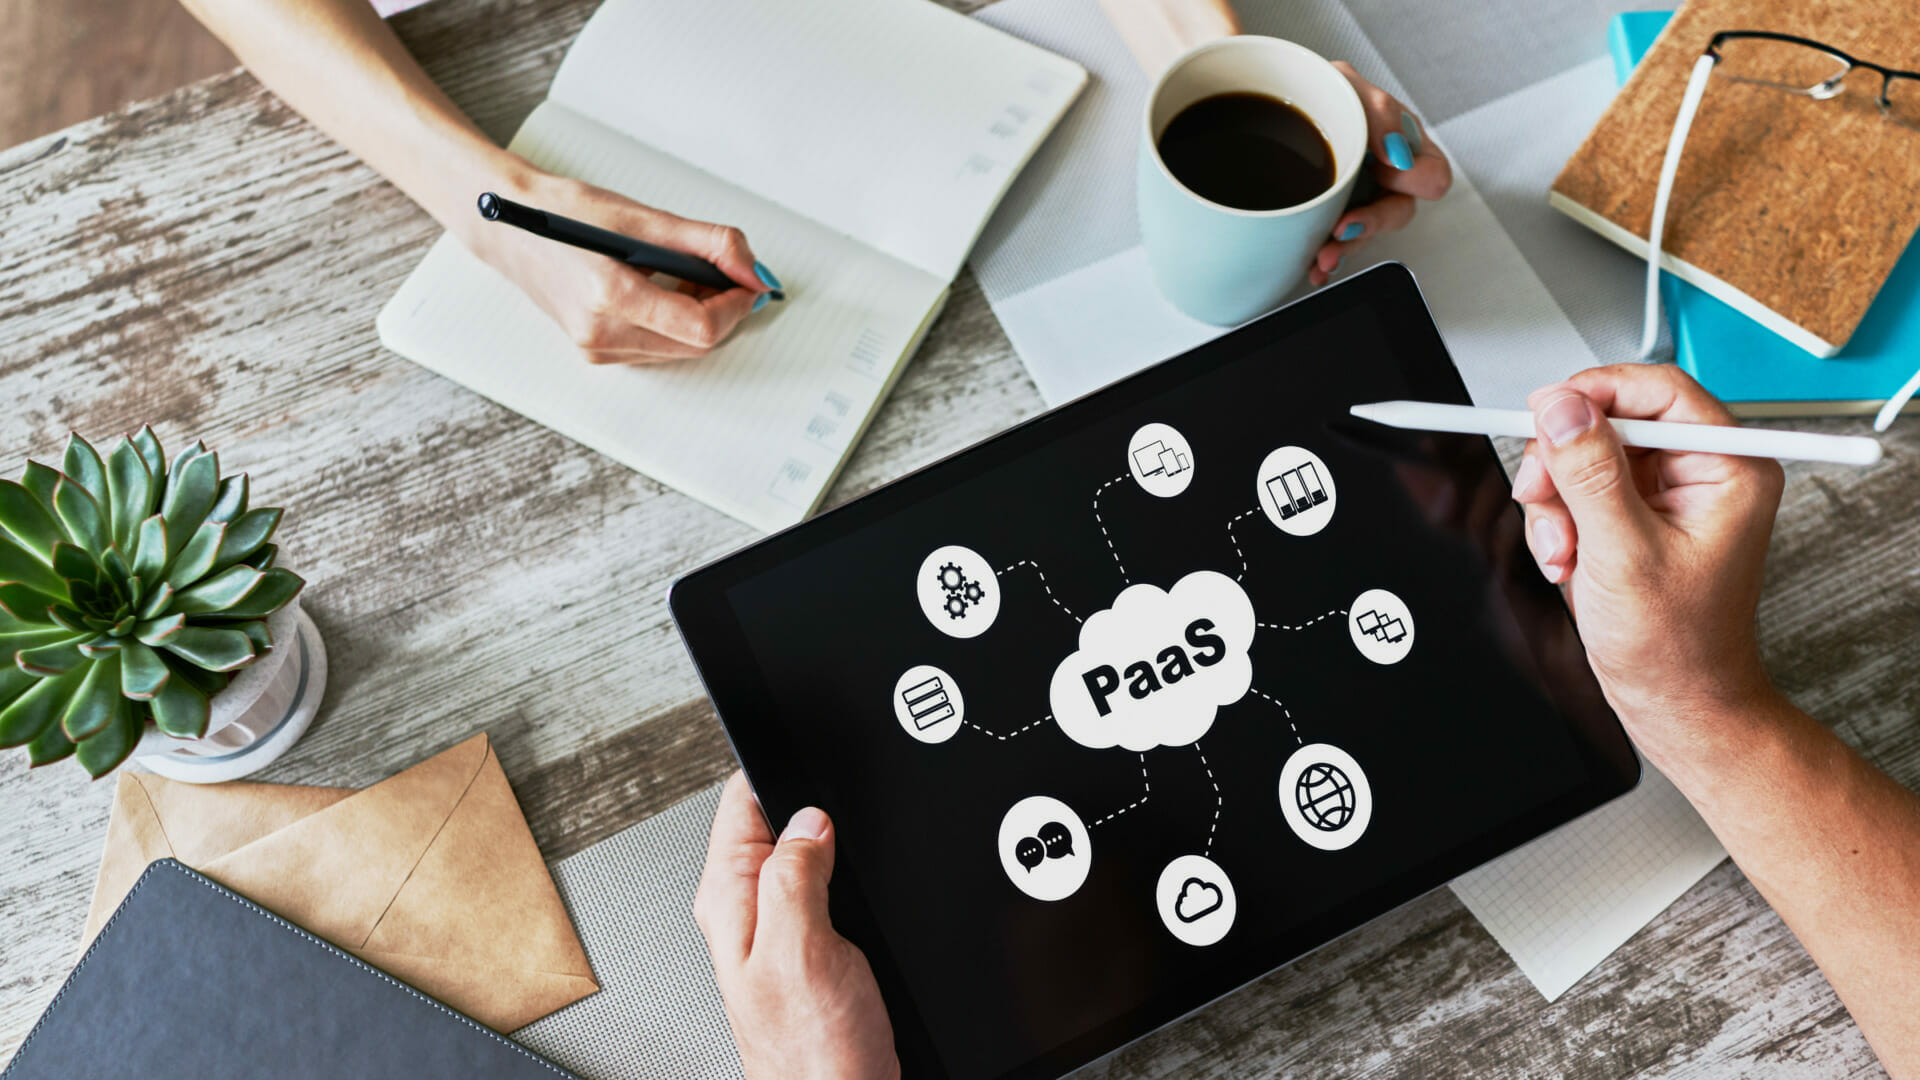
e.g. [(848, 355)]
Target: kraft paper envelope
[(429, 875)]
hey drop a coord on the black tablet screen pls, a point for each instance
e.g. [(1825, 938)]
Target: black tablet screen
[(1178, 684)]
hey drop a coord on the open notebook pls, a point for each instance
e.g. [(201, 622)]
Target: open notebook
[(860, 145)]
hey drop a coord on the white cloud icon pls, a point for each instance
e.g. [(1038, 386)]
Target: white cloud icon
[(1197, 899), (1154, 669)]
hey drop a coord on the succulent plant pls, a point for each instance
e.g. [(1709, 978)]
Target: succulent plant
[(129, 592)]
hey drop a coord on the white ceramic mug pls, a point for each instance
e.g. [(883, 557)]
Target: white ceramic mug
[(1224, 265)]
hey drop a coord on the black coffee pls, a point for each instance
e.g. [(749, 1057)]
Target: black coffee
[(1248, 151)]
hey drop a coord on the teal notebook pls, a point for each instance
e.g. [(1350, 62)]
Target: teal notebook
[(1755, 371)]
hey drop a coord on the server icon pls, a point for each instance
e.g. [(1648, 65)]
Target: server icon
[(1297, 490), (927, 702)]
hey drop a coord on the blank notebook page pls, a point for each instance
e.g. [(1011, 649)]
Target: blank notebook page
[(896, 122), (1562, 903), (754, 428)]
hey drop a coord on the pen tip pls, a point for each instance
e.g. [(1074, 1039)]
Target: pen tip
[(489, 206)]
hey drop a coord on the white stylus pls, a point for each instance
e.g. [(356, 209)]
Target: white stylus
[(1653, 434)]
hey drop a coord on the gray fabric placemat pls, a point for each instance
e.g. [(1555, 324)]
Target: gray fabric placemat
[(658, 1012)]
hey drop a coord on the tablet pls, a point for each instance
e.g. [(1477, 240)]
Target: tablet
[(1123, 708)]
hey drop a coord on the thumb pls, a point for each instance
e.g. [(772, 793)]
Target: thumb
[(1582, 453), (793, 881)]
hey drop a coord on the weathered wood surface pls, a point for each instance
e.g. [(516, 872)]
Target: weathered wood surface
[(210, 263)]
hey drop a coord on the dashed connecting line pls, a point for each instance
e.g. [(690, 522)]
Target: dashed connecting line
[(1231, 522), (1286, 712), (1111, 550), (1302, 626), (1218, 799), (1044, 585), (1010, 734), (1145, 794)]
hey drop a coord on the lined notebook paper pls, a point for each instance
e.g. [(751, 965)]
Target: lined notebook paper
[(763, 116)]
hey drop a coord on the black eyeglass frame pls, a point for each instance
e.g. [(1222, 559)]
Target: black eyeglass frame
[(1887, 74)]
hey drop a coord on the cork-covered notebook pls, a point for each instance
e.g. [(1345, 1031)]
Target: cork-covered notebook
[(1789, 209)]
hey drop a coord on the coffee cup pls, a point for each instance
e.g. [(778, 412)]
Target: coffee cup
[(1223, 264)]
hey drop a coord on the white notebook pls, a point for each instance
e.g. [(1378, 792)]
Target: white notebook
[(860, 144)]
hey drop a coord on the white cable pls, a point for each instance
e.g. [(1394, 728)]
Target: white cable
[(1895, 403), (1689, 104)]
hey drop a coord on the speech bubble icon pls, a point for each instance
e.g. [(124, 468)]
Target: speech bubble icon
[(1030, 852), (1058, 840)]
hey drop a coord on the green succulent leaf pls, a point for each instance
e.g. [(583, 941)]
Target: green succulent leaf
[(95, 702), (207, 682), (11, 645), (257, 633), (231, 502), (130, 492), (67, 619), (246, 534), (218, 593), (142, 673), (211, 648), (39, 481), (84, 594), (100, 645), (21, 565), (148, 444), (158, 602), (13, 684), (56, 658), (107, 748), (29, 518), (74, 564), (181, 710), (158, 632), (119, 574), (51, 746), (264, 558), (197, 557), (150, 550), (190, 494), (81, 513), (37, 709), (25, 604), (82, 465), (276, 590)]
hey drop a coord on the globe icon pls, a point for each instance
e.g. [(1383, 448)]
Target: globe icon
[(1325, 796)]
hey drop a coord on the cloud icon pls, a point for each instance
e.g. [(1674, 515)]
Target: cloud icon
[(1154, 669), (1198, 899)]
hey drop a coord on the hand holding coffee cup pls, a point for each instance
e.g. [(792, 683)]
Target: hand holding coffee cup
[(1250, 154)]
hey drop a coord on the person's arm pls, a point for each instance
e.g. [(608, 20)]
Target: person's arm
[(801, 999), (1662, 555), (340, 66)]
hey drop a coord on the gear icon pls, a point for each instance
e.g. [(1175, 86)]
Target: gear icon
[(952, 578), (974, 592), (956, 606)]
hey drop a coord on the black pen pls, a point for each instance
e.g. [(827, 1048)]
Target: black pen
[(635, 253)]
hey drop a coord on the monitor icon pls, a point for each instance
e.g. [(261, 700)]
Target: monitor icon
[(1158, 459)]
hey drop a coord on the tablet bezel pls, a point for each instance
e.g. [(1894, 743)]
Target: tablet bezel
[(750, 716)]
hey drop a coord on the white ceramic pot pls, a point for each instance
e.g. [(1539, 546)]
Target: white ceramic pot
[(258, 717)]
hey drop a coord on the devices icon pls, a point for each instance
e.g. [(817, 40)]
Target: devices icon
[(1160, 460), (1044, 848), (958, 592), (1196, 900), (928, 704), (1295, 490), (1381, 626), (1325, 796)]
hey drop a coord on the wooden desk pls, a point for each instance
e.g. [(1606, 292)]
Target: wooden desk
[(210, 263)]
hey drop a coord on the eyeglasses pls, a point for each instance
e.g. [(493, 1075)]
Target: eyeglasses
[(1796, 65)]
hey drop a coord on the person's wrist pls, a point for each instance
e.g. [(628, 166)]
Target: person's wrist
[(1707, 727), (505, 174)]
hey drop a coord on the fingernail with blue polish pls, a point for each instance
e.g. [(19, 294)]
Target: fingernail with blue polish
[(1337, 263), (766, 276), (762, 301), (1352, 230), (1411, 128), (1397, 153)]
